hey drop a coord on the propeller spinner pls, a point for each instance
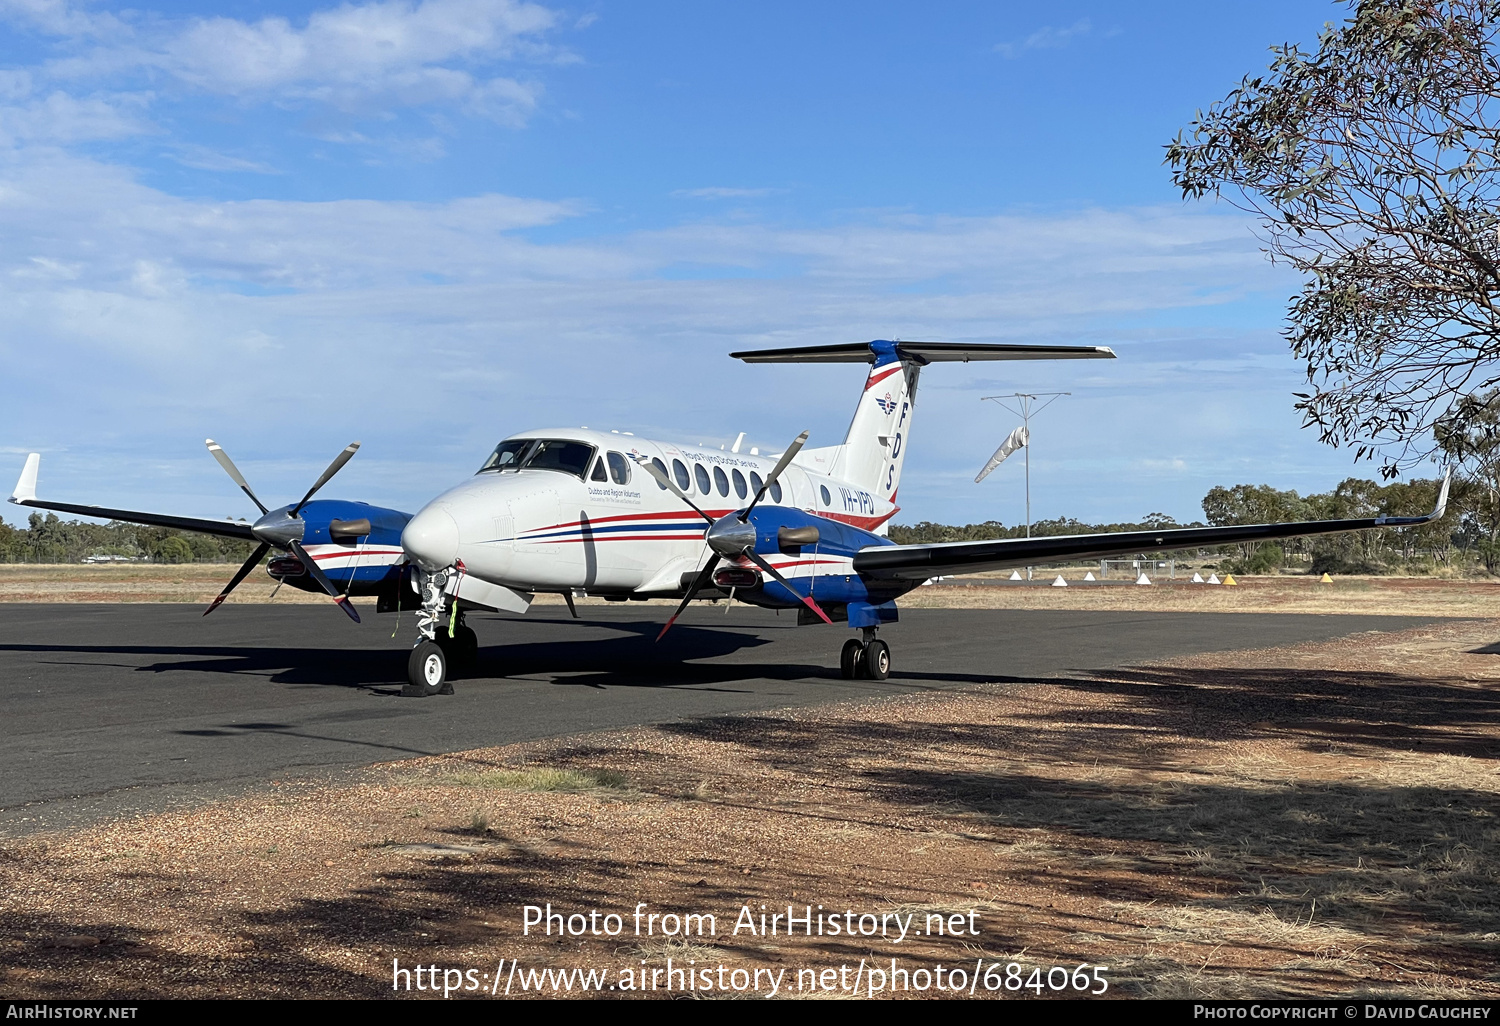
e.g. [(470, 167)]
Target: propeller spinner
[(282, 529), (733, 535)]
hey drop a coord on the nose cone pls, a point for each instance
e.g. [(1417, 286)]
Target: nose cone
[(431, 538)]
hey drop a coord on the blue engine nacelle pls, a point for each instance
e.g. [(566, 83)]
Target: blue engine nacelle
[(823, 549)]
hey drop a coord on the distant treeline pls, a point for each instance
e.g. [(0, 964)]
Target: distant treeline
[(1464, 539), (46, 539)]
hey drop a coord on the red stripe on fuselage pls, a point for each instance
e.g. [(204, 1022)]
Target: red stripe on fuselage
[(715, 513), (864, 523)]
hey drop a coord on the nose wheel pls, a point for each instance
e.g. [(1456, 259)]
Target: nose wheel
[(867, 659), (427, 671), (438, 654)]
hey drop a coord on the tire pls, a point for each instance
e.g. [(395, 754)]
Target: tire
[(849, 659), (426, 671), (876, 662), (462, 649)]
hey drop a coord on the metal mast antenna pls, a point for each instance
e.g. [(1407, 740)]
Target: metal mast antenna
[(1025, 406)]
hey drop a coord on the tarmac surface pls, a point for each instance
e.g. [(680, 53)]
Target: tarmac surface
[(112, 710)]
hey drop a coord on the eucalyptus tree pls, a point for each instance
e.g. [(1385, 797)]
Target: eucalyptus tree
[(1372, 165)]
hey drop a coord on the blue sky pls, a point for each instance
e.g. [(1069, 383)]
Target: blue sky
[(427, 225)]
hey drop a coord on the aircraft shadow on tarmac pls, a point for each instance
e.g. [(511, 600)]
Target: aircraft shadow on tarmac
[(634, 660)]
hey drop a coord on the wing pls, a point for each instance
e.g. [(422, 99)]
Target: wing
[(918, 562), (25, 495)]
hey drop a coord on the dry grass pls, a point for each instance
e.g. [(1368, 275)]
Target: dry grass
[(540, 778), (1311, 821), (196, 583), (199, 582)]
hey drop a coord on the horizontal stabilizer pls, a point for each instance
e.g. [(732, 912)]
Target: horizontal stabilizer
[(923, 353)]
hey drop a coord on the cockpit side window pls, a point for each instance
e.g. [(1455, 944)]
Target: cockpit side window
[(619, 468), (599, 474), (508, 455), (560, 454)]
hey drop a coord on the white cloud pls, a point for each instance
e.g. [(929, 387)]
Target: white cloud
[(359, 58), (1047, 38), (206, 159), (60, 18), (722, 192), (59, 118), (430, 329)]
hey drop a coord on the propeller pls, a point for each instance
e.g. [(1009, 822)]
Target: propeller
[(733, 535), (282, 529)]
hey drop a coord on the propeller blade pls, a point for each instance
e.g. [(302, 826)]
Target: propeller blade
[(322, 579), (703, 578), (333, 468), (807, 601), (240, 575), (781, 464), (667, 483), (234, 472)]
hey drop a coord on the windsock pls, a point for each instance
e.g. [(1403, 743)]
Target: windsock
[(1013, 441)]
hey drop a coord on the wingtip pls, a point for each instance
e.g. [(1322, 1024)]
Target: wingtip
[(26, 486)]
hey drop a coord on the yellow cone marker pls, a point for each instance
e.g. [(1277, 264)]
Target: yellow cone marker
[(1229, 579), (1325, 579)]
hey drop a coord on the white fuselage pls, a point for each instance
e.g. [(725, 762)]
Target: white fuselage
[(535, 530)]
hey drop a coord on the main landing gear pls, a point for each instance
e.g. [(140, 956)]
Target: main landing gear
[(445, 644), (866, 657)]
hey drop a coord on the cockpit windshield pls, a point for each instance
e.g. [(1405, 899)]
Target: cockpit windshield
[(541, 454), (507, 455)]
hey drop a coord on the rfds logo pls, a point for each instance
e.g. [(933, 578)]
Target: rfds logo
[(888, 405)]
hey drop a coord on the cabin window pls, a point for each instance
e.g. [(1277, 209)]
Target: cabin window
[(659, 465), (756, 484), (619, 468), (721, 482), (739, 484), (599, 474), (679, 471), (702, 476), (823, 491), (776, 491)]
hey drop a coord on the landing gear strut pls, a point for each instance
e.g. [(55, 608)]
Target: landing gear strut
[(436, 654), (868, 658)]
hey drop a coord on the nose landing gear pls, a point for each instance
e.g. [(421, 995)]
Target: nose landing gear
[(866, 658), (438, 654)]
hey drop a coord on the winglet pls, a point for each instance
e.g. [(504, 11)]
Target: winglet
[(1442, 503), (26, 487)]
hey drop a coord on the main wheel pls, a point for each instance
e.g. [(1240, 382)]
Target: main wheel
[(876, 662), (849, 659), (426, 670), (462, 648)]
